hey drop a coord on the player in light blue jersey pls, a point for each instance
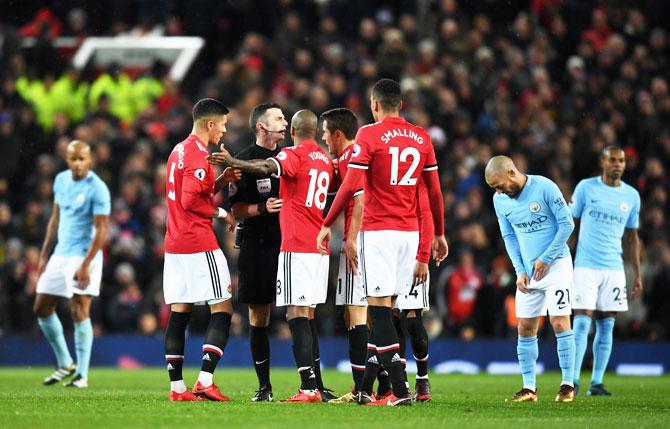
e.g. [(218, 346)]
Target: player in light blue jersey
[(78, 228), (606, 210), (535, 223)]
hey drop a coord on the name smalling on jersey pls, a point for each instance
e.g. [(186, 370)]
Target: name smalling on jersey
[(401, 132)]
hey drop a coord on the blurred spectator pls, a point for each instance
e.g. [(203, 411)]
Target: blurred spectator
[(462, 288)]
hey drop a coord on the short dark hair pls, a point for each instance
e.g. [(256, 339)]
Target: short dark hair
[(341, 119), (607, 149), (258, 111), (208, 107), (387, 93)]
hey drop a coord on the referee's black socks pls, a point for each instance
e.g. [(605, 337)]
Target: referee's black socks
[(260, 352), (388, 349), (303, 352), (175, 336), (215, 341)]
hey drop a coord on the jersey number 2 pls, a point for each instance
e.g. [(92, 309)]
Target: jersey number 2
[(397, 157), (171, 195), (318, 189)]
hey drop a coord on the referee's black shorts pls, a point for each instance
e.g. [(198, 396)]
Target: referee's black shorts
[(257, 264)]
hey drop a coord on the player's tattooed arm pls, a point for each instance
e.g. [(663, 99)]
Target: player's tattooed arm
[(260, 167)]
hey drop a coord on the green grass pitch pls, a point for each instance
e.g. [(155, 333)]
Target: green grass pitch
[(137, 399)]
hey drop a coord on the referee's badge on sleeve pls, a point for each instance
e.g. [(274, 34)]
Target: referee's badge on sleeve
[(264, 186)]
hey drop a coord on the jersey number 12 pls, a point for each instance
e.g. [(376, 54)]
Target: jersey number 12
[(397, 157)]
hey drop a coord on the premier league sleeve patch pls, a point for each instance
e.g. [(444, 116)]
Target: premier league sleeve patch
[(200, 173)]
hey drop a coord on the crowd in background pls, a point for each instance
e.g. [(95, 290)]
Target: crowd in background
[(549, 82)]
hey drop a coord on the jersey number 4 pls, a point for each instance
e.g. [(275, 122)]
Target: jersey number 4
[(318, 189), (397, 157)]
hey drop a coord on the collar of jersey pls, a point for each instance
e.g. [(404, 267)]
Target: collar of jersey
[(396, 119), (196, 138), (88, 176), (308, 142)]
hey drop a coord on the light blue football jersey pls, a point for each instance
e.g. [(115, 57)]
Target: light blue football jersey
[(534, 224), (78, 201), (604, 212)]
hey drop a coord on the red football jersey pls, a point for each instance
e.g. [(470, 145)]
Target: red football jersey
[(426, 227), (342, 167), (394, 154), (190, 194), (306, 174)]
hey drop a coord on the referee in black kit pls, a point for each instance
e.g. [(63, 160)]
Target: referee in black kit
[(254, 199)]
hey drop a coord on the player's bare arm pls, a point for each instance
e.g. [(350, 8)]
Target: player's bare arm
[(351, 243), (572, 241), (49, 240), (440, 248), (632, 241), (344, 195), (101, 223), (229, 175), (260, 167)]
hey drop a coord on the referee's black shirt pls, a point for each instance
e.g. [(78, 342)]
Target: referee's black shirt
[(252, 189)]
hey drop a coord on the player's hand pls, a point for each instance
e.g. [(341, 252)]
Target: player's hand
[(440, 249), (218, 158), (231, 175), (42, 264), (637, 288), (351, 252), (82, 277), (230, 220), (522, 283), (273, 205), (420, 273), (323, 240), (336, 163), (539, 269)]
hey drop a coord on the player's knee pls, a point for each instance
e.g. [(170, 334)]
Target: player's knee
[(259, 315), (42, 310), (560, 324)]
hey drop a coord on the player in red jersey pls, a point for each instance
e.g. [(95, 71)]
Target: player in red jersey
[(302, 279), (390, 156), (339, 130), (195, 269)]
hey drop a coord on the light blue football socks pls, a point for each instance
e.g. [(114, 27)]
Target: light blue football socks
[(52, 329), (581, 327), (565, 346), (83, 344), (602, 348), (528, 351)]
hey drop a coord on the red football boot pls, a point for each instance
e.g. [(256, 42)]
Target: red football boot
[(210, 392), (304, 397), (185, 396), (391, 401)]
